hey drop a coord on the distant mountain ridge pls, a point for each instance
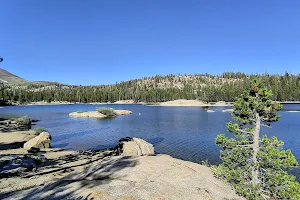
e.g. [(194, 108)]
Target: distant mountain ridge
[(11, 79)]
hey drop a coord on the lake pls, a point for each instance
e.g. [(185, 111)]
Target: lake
[(186, 133)]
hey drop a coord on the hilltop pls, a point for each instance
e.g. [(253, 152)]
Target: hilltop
[(11, 79)]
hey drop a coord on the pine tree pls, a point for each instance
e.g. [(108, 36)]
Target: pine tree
[(256, 166)]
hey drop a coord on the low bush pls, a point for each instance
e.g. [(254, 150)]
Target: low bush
[(80, 111), (40, 130), (25, 120), (109, 112)]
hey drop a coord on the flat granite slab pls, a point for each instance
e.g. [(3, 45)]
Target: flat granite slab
[(16, 139), (123, 177)]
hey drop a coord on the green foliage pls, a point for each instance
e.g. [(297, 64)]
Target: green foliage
[(80, 111), (39, 130), (25, 120), (256, 167), (109, 112), (205, 163)]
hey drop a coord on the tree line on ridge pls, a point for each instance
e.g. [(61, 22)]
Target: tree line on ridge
[(204, 87)]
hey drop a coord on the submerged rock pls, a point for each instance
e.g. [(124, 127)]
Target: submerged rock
[(41, 141), (134, 147)]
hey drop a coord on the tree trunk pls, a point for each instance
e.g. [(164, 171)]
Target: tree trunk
[(255, 149)]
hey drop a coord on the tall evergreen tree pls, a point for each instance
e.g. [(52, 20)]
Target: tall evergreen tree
[(256, 166)]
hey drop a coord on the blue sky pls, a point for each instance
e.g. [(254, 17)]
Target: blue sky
[(100, 42)]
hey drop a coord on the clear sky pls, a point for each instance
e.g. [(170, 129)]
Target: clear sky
[(100, 42)]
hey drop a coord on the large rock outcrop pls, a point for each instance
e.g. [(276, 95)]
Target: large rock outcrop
[(158, 177), (99, 175), (41, 141), (134, 147)]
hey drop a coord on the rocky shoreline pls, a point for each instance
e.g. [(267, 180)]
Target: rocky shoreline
[(131, 170), (17, 124), (31, 169)]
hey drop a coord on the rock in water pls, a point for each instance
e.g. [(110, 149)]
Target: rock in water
[(41, 141), (134, 147)]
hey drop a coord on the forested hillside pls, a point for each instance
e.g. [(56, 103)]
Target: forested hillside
[(204, 87)]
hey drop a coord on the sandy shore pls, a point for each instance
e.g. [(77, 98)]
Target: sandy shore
[(290, 102), (91, 103), (128, 102), (183, 102), (47, 103)]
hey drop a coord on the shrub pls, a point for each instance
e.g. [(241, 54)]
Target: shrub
[(109, 112), (25, 120), (80, 111), (205, 163), (39, 130)]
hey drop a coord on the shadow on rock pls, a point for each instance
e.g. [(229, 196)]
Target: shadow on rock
[(78, 184)]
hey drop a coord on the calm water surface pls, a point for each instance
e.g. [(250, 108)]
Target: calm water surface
[(187, 133)]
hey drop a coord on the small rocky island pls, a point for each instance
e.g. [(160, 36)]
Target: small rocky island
[(100, 113)]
